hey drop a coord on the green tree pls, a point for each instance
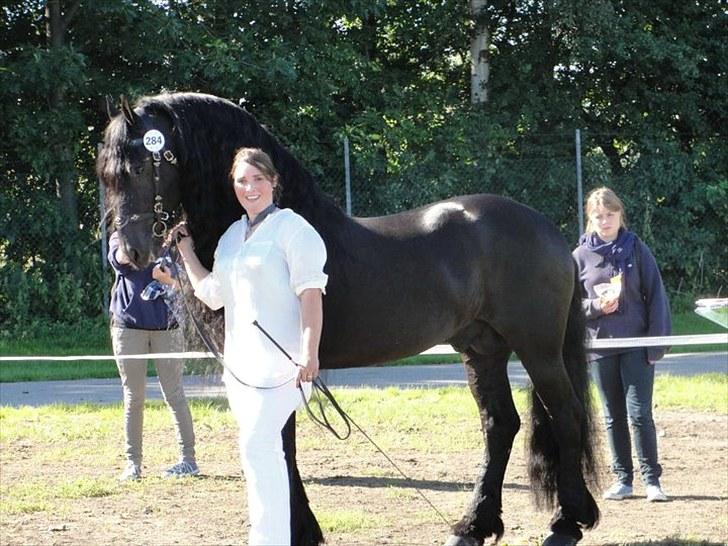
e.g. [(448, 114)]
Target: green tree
[(646, 81)]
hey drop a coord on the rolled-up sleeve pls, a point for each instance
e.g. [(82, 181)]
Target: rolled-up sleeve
[(209, 292), (306, 256)]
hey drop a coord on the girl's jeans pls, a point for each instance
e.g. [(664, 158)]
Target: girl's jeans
[(625, 382)]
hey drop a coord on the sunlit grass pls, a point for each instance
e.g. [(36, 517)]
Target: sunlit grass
[(84, 487), (347, 521), (88, 439), (40, 495), (706, 392)]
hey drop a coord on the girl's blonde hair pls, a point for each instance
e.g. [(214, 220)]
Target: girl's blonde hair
[(603, 197), (261, 161)]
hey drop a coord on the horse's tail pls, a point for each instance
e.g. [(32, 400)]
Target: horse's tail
[(544, 458)]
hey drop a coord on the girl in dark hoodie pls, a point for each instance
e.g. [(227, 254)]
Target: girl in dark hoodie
[(623, 296)]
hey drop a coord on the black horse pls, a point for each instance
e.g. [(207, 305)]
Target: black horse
[(483, 273)]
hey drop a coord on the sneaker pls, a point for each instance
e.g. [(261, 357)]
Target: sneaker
[(655, 494), (131, 472), (618, 491), (180, 470)]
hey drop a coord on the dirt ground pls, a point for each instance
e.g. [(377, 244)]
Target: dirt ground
[(211, 509)]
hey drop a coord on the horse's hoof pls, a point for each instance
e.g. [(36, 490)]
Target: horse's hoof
[(455, 540), (557, 539)]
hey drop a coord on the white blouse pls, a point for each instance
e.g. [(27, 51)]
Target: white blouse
[(261, 279)]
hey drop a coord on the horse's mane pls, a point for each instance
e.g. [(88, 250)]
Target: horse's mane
[(207, 131)]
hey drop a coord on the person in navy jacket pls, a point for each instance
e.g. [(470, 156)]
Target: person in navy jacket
[(144, 324)]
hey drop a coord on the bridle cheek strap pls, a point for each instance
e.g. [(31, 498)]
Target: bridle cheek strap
[(162, 218)]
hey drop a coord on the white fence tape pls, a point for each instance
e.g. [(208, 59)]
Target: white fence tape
[(660, 341)]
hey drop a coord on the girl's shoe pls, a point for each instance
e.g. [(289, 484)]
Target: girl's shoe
[(180, 470), (131, 472), (655, 494), (618, 491)]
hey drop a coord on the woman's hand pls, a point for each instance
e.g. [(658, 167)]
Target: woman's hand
[(608, 306), (180, 234), (308, 372), (186, 248)]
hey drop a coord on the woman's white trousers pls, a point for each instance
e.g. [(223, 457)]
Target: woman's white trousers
[(261, 415)]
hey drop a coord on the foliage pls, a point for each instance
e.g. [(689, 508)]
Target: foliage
[(646, 82)]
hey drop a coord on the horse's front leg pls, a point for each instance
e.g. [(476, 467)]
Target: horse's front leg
[(305, 529), (488, 381)]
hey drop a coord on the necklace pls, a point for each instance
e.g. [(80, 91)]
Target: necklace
[(262, 215)]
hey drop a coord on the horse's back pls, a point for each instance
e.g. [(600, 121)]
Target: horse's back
[(483, 230), (417, 278), (489, 211)]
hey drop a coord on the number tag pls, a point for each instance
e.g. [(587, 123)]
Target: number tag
[(153, 140)]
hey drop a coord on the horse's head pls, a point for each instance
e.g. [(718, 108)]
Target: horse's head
[(138, 165)]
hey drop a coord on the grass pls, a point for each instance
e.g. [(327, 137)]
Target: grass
[(89, 436), (707, 392), (92, 338), (347, 521)]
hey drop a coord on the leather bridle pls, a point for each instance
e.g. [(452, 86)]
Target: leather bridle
[(162, 218)]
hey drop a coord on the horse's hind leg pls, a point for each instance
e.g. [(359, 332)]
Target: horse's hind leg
[(558, 418), (488, 381), (305, 530)]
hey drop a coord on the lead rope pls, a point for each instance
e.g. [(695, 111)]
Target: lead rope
[(319, 388)]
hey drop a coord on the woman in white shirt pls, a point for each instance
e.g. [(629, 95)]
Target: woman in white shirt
[(268, 268)]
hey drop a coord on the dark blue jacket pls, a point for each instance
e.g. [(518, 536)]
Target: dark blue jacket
[(643, 307), (128, 309)]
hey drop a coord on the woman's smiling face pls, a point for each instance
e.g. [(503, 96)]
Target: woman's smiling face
[(253, 189)]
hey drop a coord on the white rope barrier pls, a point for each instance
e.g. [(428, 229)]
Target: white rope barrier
[(192, 355), (610, 343), (658, 341)]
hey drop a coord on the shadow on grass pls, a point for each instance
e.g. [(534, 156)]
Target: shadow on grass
[(377, 482), (219, 477)]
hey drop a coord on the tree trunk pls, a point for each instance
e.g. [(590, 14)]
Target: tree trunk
[(56, 26), (479, 67)]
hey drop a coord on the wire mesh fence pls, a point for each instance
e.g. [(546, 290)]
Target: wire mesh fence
[(52, 270)]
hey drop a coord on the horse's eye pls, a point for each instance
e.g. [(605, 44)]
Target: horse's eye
[(135, 169)]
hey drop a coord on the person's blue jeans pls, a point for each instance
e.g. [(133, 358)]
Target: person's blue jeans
[(625, 382)]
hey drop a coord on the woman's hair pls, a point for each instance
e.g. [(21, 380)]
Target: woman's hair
[(261, 161), (603, 197)]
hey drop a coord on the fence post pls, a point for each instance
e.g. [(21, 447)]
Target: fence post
[(579, 186), (347, 175), (104, 242)]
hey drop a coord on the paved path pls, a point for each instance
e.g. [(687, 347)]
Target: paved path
[(39, 393)]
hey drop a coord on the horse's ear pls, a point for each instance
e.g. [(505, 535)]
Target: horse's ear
[(127, 110), (111, 109)]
